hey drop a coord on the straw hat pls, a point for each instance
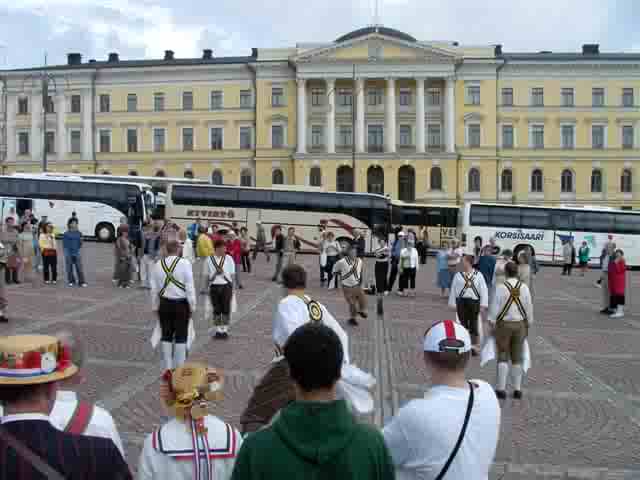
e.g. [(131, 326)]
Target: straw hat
[(191, 387), (33, 359)]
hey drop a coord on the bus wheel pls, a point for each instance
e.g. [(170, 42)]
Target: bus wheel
[(105, 232)]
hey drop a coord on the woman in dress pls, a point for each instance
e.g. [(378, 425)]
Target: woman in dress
[(123, 255), (617, 276), (47, 242)]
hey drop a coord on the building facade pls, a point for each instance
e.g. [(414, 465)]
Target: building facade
[(376, 110)]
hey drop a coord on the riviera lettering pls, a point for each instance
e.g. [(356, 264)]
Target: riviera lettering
[(520, 236)]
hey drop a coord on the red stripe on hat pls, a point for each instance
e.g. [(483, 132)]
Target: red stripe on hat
[(449, 329)]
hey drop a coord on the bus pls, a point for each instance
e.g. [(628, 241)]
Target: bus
[(545, 229), (441, 220), (339, 212), (99, 205)]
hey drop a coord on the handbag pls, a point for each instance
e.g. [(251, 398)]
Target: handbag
[(25, 452)]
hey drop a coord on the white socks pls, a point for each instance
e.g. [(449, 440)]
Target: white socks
[(516, 377), (179, 355), (167, 355), (503, 372)]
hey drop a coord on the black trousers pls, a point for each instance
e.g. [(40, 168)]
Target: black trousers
[(468, 310), (174, 319), (50, 267), (422, 251), (246, 262), (328, 268), (408, 279), (221, 298), (381, 271), (394, 273), (566, 269)]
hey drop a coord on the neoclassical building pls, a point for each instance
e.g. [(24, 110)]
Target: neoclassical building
[(375, 110)]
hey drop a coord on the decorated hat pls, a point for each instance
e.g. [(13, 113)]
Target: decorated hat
[(447, 336), (33, 359), (191, 387)]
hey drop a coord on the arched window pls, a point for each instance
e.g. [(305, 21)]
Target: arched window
[(106, 172), (375, 180), (315, 177), (566, 181), (407, 184), (537, 181), (474, 180), (596, 181), (435, 179), (506, 181), (626, 185), (277, 177), (160, 173), (188, 174), (344, 179), (216, 177), (246, 178), (133, 173)]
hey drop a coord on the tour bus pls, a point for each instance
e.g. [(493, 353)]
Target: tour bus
[(546, 228), (99, 205), (339, 212), (441, 220)]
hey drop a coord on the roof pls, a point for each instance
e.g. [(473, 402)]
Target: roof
[(569, 57), (386, 31)]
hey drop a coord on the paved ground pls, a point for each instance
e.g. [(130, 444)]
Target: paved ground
[(580, 418)]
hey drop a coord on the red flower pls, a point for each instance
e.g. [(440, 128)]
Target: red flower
[(32, 360)]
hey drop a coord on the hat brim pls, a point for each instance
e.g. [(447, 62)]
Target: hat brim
[(51, 377)]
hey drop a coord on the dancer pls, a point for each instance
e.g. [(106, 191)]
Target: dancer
[(350, 270), (222, 269)]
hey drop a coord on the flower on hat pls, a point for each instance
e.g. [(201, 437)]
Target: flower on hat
[(32, 360), (64, 358)]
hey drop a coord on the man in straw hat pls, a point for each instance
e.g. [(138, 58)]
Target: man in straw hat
[(193, 444), (31, 368)]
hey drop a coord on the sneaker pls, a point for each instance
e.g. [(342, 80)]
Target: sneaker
[(55, 282), (501, 394), (84, 285), (616, 315), (386, 294), (606, 311), (218, 335), (47, 282), (517, 394), (597, 285), (363, 314), (225, 335), (71, 284)]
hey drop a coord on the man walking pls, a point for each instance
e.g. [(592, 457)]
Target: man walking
[(261, 242), (350, 270), (278, 244), (4, 303), (607, 258), (72, 245), (396, 248)]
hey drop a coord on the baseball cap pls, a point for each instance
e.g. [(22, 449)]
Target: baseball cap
[(447, 336)]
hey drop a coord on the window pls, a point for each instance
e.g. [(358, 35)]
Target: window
[(277, 177), (507, 97), (105, 172), (537, 136), (246, 99), (405, 98), (537, 97), (627, 97), (376, 138), (187, 139), (566, 97), (626, 185), (158, 102), (105, 103), (133, 173), (473, 95), (161, 174), (277, 96), (132, 140), (344, 179), (216, 138), (537, 181), (317, 97), (315, 177), (507, 136), (49, 105), (216, 100), (188, 174), (317, 133), (597, 97), (597, 136), (407, 183), (345, 136), (375, 180), (374, 97), (345, 98), (405, 135), (566, 181), (246, 178), (23, 143), (132, 102), (473, 136), (434, 139), (433, 97), (50, 142), (506, 181), (435, 179), (76, 136), (23, 106), (596, 181), (473, 184), (277, 136), (159, 139), (76, 103), (105, 141), (245, 138), (567, 136), (187, 101), (627, 136), (216, 177)]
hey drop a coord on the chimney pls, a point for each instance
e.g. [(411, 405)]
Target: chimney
[(113, 57), (497, 50), (168, 55), (591, 49), (207, 54), (74, 59)]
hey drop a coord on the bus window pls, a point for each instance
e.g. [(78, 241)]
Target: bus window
[(508, 217), (479, 215), (627, 223), (254, 197), (594, 221), (535, 218), (563, 220)]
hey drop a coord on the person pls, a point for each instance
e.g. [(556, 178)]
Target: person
[(4, 302), (477, 249), (275, 391), (28, 390), (499, 275), (315, 436), (245, 249), (583, 257), (204, 250), (490, 248), (322, 254), (606, 262), (470, 299), (222, 269), (603, 255), (193, 444), (423, 244), (185, 249), (124, 258), (443, 276), (26, 251), (151, 252), (487, 264), (524, 267), (72, 245), (350, 270), (332, 249), (213, 233), (566, 258), (453, 431), (382, 265), (278, 245), (533, 269), (454, 257), (9, 238), (261, 242), (194, 230), (123, 225), (409, 264), (291, 247), (49, 251), (359, 242), (234, 248), (510, 316), (396, 248), (617, 276)]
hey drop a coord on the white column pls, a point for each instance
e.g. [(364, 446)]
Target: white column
[(87, 125), (420, 143), (35, 139), (449, 115), (390, 116), (359, 133), (302, 116), (12, 109), (331, 116), (61, 131)]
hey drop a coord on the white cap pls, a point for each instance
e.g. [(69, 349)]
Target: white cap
[(447, 336), (401, 233)]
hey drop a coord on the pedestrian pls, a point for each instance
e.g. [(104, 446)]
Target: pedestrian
[(204, 250), (26, 251), (72, 246), (322, 254), (49, 251), (453, 431), (608, 257), (291, 247), (37, 254), (499, 274), (423, 244), (617, 277), (382, 265), (487, 264), (603, 255), (278, 244), (151, 252), (409, 264), (583, 257), (4, 302), (316, 436), (534, 268), (359, 242), (454, 256), (332, 250), (567, 250), (443, 275), (234, 248), (194, 230), (261, 242), (124, 258), (350, 270), (222, 269), (245, 248), (186, 249), (524, 267), (9, 237), (398, 244)]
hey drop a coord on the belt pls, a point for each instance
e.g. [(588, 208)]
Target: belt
[(174, 300)]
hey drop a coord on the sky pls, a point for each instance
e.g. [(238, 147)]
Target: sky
[(139, 29)]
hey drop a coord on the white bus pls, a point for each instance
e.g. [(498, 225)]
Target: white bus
[(545, 228), (441, 220)]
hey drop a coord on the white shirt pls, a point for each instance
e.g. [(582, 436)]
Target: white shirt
[(183, 273), (409, 258), (423, 434), (343, 267), (458, 285), (513, 314), (228, 269)]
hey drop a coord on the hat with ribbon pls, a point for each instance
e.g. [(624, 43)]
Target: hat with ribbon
[(447, 336), (33, 359)]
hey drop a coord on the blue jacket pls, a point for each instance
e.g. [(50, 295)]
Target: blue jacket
[(72, 243), (486, 266)]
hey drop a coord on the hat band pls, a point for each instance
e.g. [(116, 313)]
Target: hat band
[(24, 372)]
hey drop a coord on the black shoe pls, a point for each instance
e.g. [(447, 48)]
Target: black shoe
[(219, 335), (3, 319), (225, 335), (606, 311), (240, 287), (517, 394), (274, 279), (363, 314), (501, 394), (353, 322), (474, 352)]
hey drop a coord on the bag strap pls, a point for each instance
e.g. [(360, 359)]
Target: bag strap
[(444, 470), (80, 418), (29, 455)]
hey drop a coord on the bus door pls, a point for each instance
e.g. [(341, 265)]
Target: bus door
[(253, 216), (563, 227)]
